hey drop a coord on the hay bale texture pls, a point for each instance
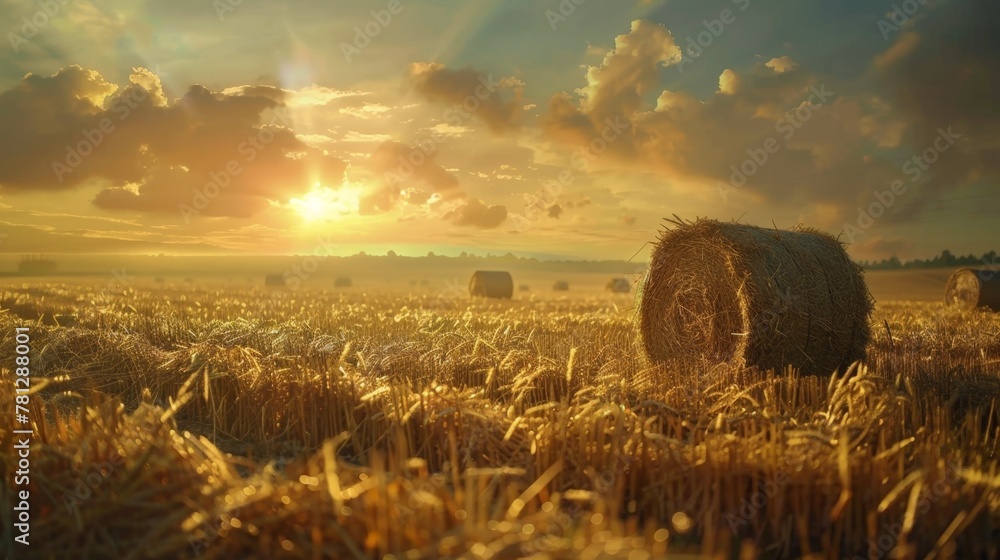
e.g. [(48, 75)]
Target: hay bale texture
[(491, 284), (970, 288), (750, 296)]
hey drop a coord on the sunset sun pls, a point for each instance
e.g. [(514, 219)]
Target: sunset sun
[(326, 204)]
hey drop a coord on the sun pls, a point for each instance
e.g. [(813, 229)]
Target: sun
[(326, 204)]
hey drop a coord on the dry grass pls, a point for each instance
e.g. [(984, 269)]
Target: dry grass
[(358, 426)]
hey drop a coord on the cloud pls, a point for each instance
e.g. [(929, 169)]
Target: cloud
[(555, 211), (781, 64), (395, 168), (616, 87), (61, 131), (685, 139), (42, 239), (353, 136), (882, 247), (941, 71), (477, 214), (366, 111), (470, 93)]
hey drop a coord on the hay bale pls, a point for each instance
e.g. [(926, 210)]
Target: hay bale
[(970, 288), (750, 296), (561, 286), (274, 280), (342, 282), (619, 285), (492, 284), (524, 288)]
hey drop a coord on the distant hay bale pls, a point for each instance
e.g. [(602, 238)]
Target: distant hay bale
[(491, 284), (619, 285), (561, 286), (524, 288), (274, 280), (342, 282), (969, 288), (750, 296)]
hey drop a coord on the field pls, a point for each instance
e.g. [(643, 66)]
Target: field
[(229, 421)]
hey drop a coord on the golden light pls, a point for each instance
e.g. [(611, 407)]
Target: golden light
[(325, 204)]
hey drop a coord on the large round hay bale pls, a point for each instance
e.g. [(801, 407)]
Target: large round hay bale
[(492, 284), (750, 296), (970, 288)]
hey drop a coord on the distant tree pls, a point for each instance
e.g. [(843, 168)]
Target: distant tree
[(391, 253)]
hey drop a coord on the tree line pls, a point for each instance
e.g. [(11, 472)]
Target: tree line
[(945, 260)]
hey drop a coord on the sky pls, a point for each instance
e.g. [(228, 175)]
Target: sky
[(560, 128)]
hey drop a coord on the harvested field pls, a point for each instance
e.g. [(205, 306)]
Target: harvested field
[(385, 427)]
